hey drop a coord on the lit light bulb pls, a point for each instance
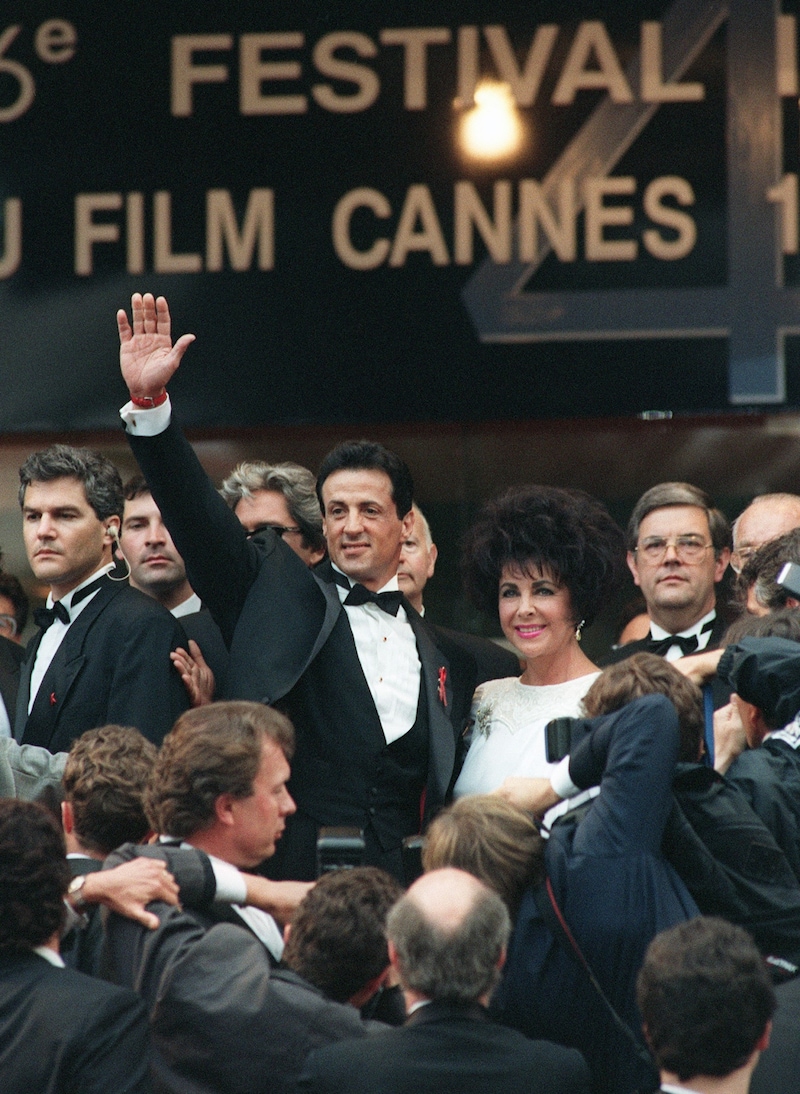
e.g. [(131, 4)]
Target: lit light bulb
[(491, 129)]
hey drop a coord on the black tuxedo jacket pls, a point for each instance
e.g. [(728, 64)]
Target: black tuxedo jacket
[(201, 627), (11, 657), (291, 646), (778, 1069), (113, 666), (446, 1049), (63, 1031)]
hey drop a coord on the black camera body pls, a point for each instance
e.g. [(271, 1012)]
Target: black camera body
[(339, 848)]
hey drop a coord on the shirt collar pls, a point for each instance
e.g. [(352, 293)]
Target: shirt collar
[(391, 586), (691, 632), (50, 956), (67, 600)]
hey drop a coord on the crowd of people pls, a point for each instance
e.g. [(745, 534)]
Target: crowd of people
[(342, 848)]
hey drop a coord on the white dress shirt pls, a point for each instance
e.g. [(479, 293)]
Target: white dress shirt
[(387, 650), (231, 888), (189, 606), (56, 632)]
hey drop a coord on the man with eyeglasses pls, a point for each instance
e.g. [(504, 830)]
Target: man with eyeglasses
[(767, 517), (280, 496), (678, 549)]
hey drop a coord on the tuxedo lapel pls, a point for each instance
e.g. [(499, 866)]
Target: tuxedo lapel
[(24, 692), (439, 696), (38, 727)]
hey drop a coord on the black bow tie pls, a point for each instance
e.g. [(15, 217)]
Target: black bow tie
[(661, 645), (387, 602), (688, 643), (45, 617)]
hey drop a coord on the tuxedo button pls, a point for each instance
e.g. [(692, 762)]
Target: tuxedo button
[(373, 791), (372, 810)]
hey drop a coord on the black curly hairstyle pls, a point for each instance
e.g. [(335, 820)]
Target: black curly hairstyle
[(33, 875), (566, 532)]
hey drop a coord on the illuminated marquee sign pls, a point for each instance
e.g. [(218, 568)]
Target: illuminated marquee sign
[(315, 192)]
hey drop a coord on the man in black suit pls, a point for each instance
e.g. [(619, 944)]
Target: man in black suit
[(102, 653), (447, 941), (104, 781), (59, 1030), (377, 706), (678, 550), (706, 1002), (778, 1069), (157, 570)]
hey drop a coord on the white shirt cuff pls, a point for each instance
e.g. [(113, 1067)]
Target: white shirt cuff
[(146, 422), (231, 886), (560, 780)]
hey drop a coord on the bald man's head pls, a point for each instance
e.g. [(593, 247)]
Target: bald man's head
[(448, 937)]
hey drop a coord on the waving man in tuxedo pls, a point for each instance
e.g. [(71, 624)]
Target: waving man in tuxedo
[(378, 702)]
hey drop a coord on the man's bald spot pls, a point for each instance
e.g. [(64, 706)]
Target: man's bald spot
[(446, 897)]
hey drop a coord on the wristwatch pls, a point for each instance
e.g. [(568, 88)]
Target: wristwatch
[(75, 893)]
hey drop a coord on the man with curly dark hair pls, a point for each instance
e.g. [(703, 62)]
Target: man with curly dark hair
[(59, 1030)]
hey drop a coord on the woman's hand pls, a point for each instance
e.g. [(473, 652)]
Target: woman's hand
[(533, 795), (699, 667)]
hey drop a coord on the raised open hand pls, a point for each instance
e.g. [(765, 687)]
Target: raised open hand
[(147, 356)]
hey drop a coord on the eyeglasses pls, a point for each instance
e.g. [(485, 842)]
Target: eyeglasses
[(279, 529), (689, 549), (8, 625), (740, 557)]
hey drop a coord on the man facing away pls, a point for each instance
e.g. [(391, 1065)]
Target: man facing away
[(59, 1030), (377, 705), (678, 550), (706, 1001), (102, 653), (447, 942)]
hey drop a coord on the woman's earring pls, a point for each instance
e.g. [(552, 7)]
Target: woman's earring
[(578, 629)]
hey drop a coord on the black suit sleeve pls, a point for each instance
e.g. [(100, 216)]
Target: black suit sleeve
[(114, 1049), (221, 563)]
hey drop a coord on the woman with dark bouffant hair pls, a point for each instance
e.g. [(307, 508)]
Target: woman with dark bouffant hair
[(544, 560)]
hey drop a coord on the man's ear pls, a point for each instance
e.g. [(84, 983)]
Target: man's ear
[(223, 809), (393, 956), (407, 523), (67, 817), (111, 530), (763, 1041), (723, 558), (433, 554), (630, 558)]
